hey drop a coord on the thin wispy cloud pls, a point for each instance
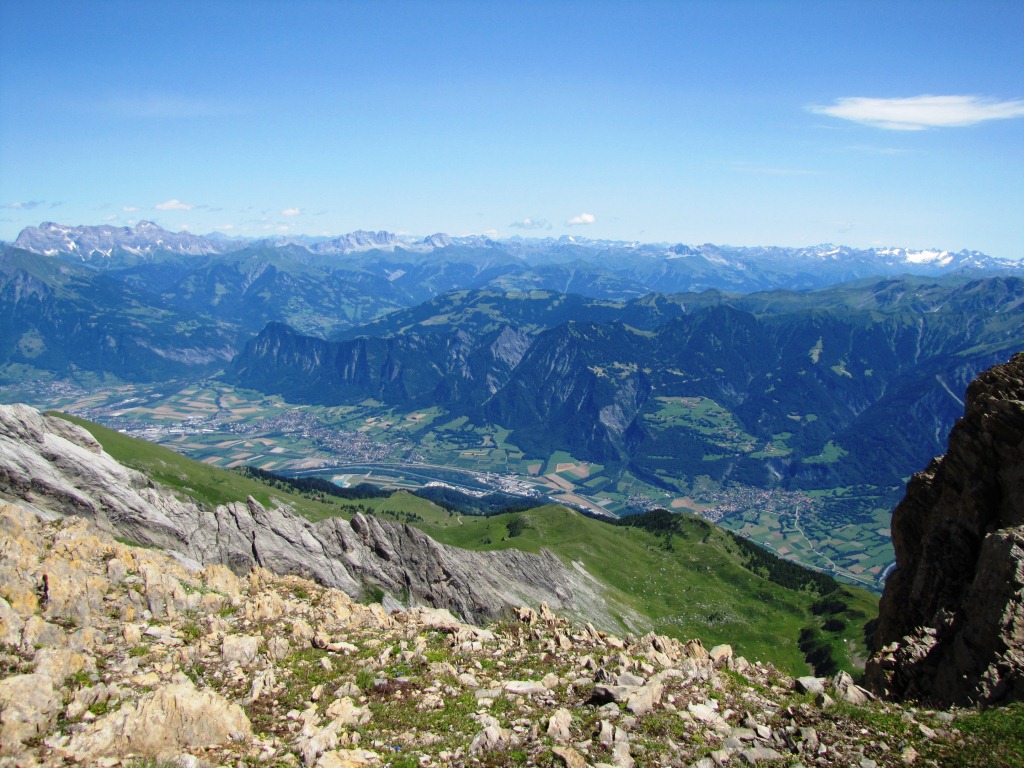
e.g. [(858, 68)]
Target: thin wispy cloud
[(582, 220), (173, 205), (129, 208), (291, 212), (530, 223), (916, 113)]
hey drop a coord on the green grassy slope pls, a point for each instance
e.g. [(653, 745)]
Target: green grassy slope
[(697, 583), (696, 586)]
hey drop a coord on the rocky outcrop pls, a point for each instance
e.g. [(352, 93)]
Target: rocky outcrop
[(58, 466), (951, 621), (130, 657)]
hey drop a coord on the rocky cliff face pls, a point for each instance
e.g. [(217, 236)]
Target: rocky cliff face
[(59, 467), (951, 623), (411, 370), (576, 388)]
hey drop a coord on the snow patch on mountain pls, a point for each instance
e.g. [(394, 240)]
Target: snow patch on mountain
[(86, 242)]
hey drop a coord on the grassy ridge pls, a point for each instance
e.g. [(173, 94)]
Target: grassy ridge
[(699, 586), (699, 582)]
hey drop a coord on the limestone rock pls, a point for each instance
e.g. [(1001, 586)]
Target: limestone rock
[(525, 687), (11, 624), (621, 756), (570, 757), (345, 711), (847, 690), (316, 742), (493, 737), (706, 714), (163, 723), (951, 619), (644, 698), (58, 663), (240, 649), (809, 684), (347, 758), (28, 707), (560, 726), (721, 655)]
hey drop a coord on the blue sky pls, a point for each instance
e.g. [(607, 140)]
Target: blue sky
[(772, 122)]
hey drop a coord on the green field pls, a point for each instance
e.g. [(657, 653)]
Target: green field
[(704, 416)]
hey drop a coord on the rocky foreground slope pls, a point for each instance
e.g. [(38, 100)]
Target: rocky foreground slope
[(951, 620), (113, 655)]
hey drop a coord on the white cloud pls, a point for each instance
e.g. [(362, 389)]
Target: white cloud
[(582, 219), (530, 223), (916, 113), (129, 209), (291, 212), (173, 205)]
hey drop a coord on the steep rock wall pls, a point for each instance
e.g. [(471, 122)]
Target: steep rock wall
[(951, 620)]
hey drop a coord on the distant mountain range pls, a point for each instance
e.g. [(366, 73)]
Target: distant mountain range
[(142, 303), (637, 267), (88, 243)]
